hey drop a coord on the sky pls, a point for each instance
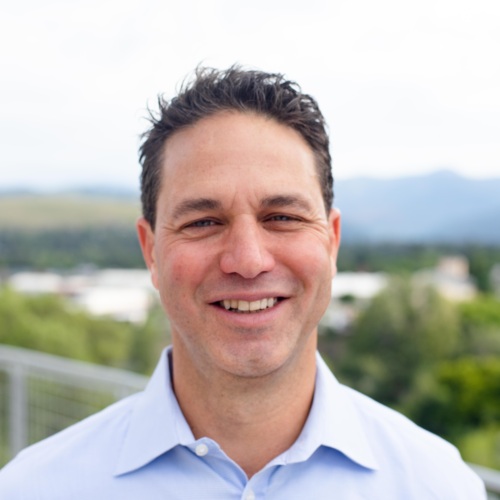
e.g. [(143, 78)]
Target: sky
[(407, 87)]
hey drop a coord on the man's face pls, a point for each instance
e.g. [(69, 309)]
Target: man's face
[(242, 253)]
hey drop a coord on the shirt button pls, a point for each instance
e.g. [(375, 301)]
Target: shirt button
[(250, 495), (201, 450)]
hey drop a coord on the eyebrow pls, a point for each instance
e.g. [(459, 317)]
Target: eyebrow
[(284, 201), (196, 205), (202, 204)]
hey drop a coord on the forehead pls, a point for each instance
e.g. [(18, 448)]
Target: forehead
[(234, 130), (234, 133), (233, 152)]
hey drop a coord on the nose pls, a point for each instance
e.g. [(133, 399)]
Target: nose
[(245, 251)]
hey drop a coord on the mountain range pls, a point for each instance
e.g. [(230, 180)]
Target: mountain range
[(441, 207)]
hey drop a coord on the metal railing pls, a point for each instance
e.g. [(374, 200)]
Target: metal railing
[(41, 394)]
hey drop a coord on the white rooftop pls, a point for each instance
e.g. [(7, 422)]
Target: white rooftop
[(359, 285)]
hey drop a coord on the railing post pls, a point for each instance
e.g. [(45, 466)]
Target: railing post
[(18, 409)]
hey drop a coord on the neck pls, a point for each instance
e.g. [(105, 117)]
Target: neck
[(253, 419)]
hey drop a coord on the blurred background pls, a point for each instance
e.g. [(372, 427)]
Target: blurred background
[(410, 91)]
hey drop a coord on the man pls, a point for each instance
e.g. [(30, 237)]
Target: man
[(241, 242)]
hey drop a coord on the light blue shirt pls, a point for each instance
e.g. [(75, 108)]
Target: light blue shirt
[(142, 448)]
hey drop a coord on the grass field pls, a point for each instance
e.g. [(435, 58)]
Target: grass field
[(26, 212)]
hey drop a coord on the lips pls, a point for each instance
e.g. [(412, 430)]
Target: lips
[(245, 306)]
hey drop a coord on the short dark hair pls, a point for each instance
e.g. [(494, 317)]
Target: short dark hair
[(212, 91)]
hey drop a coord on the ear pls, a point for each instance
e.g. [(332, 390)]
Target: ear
[(147, 241), (334, 227)]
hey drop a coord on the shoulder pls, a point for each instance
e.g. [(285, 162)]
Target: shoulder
[(408, 451), (62, 458)]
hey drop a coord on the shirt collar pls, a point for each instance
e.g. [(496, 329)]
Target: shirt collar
[(333, 422), (156, 422)]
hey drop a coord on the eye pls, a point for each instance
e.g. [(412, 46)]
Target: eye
[(200, 224), (282, 218)]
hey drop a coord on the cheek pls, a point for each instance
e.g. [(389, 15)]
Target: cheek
[(312, 264), (311, 255), (176, 286), (183, 270)]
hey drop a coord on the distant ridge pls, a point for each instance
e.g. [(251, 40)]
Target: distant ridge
[(68, 210), (441, 207)]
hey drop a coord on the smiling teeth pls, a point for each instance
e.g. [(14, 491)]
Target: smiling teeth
[(245, 306)]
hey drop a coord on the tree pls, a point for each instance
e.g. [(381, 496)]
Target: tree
[(48, 323), (404, 330), (458, 397)]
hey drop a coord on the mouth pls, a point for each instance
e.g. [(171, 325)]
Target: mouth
[(245, 306)]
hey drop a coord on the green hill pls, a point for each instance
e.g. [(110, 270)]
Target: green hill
[(64, 211)]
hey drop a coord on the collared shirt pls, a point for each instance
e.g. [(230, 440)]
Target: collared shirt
[(142, 448)]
